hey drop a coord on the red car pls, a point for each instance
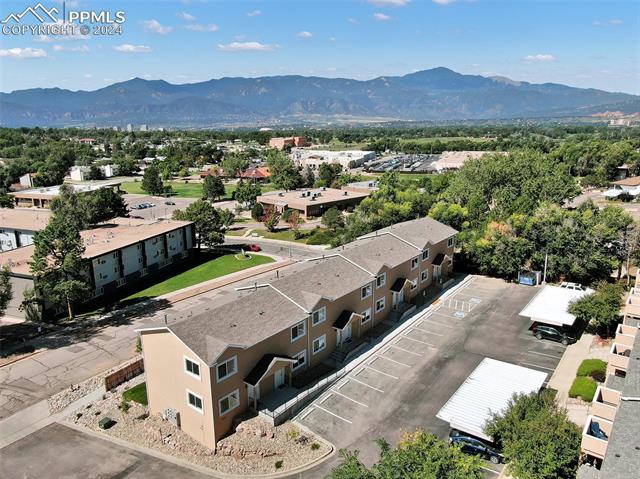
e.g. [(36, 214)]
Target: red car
[(255, 248)]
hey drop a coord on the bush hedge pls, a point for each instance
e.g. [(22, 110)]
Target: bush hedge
[(589, 366), (583, 387)]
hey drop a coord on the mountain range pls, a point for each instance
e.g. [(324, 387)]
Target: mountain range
[(429, 95)]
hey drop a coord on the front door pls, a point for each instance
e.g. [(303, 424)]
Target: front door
[(346, 333), (437, 273), (279, 378), (398, 298)]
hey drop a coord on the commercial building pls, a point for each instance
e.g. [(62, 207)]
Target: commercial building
[(243, 353), (454, 160), (19, 225), (347, 158), (312, 202), (42, 197), (80, 173), (117, 254), (291, 141)]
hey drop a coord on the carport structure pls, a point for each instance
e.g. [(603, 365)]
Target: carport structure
[(487, 391), (551, 305)]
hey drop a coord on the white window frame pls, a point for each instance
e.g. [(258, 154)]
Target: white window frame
[(379, 283), (424, 275), (384, 304), (302, 353), (414, 263), (324, 345), (425, 257), (192, 361), (192, 406), (322, 310), (414, 285), (365, 313), (304, 331), (233, 359), (367, 288), (237, 394), (450, 242)]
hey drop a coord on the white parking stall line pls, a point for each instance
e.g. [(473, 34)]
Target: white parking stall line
[(438, 323), (425, 331), (394, 361), (347, 397), (418, 341), (380, 372), (333, 414), (351, 378), (537, 366), (404, 350), (303, 417), (491, 470), (543, 354)]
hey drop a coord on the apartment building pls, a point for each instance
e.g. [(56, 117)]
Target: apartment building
[(313, 202), (282, 143), (116, 253), (19, 225), (205, 370)]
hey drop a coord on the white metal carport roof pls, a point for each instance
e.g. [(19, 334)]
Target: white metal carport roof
[(486, 391), (551, 305)]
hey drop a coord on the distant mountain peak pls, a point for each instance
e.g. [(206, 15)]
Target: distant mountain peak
[(505, 80)]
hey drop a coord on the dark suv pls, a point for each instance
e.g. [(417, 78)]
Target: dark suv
[(542, 331), (475, 446)]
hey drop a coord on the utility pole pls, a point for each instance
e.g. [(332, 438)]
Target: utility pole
[(544, 274)]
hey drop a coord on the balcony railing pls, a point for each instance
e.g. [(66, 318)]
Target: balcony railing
[(595, 437), (605, 403), (625, 335), (618, 358), (632, 303)]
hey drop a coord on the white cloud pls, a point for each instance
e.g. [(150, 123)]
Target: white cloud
[(539, 58), (197, 27), (608, 23), (155, 26), (332, 39), (187, 17), (304, 34), (247, 47), (23, 53), (443, 2), (79, 49), (128, 48), (389, 3), (381, 17), (88, 75), (254, 13), (353, 21)]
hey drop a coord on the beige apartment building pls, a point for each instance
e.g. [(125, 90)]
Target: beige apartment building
[(204, 371)]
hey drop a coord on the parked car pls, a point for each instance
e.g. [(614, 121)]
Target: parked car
[(169, 203), (255, 248), (475, 446), (543, 331)]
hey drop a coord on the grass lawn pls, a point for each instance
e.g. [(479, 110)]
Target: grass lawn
[(588, 366), (283, 235), (136, 393), (583, 387), (211, 269)]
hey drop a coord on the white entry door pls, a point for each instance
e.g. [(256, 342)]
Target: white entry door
[(254, 393), (346, 333), (397, 298), (279, 378)]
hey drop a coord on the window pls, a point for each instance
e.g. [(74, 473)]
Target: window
[(424, 276), (301, 360), (381, 280), (366, 291), (192, 367), (229, 402), (425, 254), (414, 262), (194, 401), (319, 344), (297, 331), (319, 316), (414, 285), (450, 242), (227, 368), (379, 305), (366, 316)]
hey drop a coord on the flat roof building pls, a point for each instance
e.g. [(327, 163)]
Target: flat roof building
[(551, 305), (346, 158), (42, 197), (291, 141), (19, 225), (312, 202)]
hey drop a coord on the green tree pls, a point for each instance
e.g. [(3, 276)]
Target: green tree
[(294, 221), (538, 440), (207, 222), (309, 177), (450, 214), (227, 218), (57, 264), (601, 309), (212, 188), (271, 218), (71, 208), (257, 211), (329, 173), (234, 164), (126, 166), (104, 204), (284, 174), (246, 193), (333, 219), (151, 181), (95, 173), (6, 291)]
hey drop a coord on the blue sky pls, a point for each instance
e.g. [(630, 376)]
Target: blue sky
[(580, 43)]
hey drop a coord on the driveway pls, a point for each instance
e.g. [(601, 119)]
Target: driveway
[(412, 376)]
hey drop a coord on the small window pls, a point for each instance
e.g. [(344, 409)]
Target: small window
[(319, 316), (319, 344), (227, 368), (414, 263), (192, 367), (414, 285), (229, 402), (380, 305), (381, 280), (366, 316), (424, 276), (425, 254), (301, 360), (366, 291), (450, 242), (195, 401), (297, 331)]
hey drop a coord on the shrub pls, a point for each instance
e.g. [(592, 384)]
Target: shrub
[(279, 464), (293, 433), (583, 387), (599, 376), (590, 365), (315, 446), (320, 237), (124, 406)]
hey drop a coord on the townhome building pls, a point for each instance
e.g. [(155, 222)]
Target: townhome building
[(243, 354), (18, 226)]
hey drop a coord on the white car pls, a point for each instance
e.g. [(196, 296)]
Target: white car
[(574, 286)]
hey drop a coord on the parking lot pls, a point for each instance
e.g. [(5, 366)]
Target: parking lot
[(159, 210), (410, 377)]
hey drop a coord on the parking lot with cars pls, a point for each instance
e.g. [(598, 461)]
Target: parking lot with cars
[(411, 376), (154, 207)]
